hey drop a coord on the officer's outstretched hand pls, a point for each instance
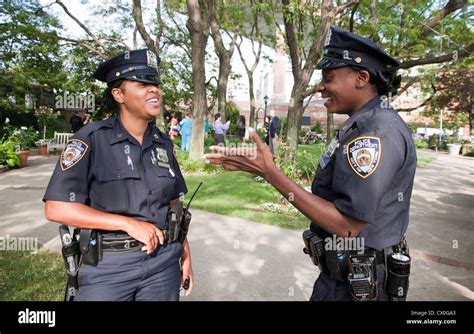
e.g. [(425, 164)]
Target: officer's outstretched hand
[(257, 160), (146, 233)]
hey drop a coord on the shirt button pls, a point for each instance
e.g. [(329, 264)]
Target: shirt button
[(153, 214), (118, 176), (149, 192)]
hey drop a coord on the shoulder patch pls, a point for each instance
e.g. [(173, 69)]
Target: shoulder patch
[(363, 155), (73, 153)]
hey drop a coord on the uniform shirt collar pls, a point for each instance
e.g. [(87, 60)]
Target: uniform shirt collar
[(357, 117), (119, 133), (152, 134)]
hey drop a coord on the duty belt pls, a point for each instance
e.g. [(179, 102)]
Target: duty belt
[(124, 244), (127, 243)]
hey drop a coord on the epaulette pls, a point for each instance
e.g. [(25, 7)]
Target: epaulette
[(88, 129)]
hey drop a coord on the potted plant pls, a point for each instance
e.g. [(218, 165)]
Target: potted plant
[(23, 139), (454, 146), (42, 145)]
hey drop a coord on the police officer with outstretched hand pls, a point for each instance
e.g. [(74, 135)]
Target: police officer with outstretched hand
[(116, 180), (363, 182)]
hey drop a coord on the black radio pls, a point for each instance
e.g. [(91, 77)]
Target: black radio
[(363, 276)]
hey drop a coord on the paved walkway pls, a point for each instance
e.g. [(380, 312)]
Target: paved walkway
[(234, 259)]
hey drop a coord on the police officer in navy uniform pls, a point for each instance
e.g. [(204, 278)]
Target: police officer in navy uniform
[(118, 177), (364, 179)]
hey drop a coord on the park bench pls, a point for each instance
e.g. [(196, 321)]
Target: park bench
[(59, 141)]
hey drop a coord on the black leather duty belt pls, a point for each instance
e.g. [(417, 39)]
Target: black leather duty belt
[(125, 244)]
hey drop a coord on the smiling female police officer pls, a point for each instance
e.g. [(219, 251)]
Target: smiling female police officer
[(364, 179), (117, 177)]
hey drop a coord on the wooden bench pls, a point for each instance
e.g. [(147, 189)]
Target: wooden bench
[(59, 141)]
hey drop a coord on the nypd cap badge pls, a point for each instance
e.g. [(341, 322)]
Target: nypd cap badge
[(363, 155), (73, 153)]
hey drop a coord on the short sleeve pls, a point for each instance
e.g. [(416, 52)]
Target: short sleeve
[(70, 179), (364, 170)]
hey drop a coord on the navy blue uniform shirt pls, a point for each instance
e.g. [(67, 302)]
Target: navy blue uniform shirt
[(370, 175), (104, 167)]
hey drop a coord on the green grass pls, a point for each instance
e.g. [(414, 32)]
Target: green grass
[(423, 161), (237, 194), (25, 276)]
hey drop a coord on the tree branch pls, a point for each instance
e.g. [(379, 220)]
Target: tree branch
[(351, 21), (450, 7), (137, 16), (85, 45), (160, 24), (291, 40), (94, 37), (439, 59)]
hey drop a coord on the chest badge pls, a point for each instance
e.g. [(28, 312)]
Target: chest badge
[(328, 153), (363, 155), (162, 155), (73, 153)]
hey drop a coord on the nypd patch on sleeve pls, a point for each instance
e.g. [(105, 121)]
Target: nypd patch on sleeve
[(363, 155), (73, 153)]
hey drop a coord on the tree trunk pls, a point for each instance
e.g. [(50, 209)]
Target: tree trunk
[(224, 72), (198, 26), (251, 121), (330, 121), (295, 112)]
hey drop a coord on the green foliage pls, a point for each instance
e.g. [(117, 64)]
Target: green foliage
[(190, 166), (317, 128), (420, 143), (284, 127), (51, 121), (8, 155), (232, 129), (233, 112), (24, 138), (304, 167)]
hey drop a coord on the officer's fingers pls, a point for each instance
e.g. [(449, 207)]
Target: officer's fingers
[(215, 159), (144, 248), (219, 149), (160, 236), (230, 167), (255, 138)]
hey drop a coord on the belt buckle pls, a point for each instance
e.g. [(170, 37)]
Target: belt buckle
[(127, 244)]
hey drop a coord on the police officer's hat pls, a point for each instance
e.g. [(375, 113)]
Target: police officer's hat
[(136, 65), (344, 48)]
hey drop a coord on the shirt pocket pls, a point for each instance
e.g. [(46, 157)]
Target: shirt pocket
[(115, 189), (164, 188)]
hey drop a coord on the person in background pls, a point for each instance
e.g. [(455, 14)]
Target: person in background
[(76, 122), (274, 132), (174, 127), (186, 126), (219, 130), (206, 128), (241, 128), (266, 124)]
